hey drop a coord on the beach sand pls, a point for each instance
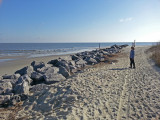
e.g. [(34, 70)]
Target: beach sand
[(105, 92), (18, 62)]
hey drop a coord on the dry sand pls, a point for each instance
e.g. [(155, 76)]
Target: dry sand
[(108, 92)]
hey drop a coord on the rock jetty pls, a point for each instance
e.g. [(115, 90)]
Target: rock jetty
[(15, 88)]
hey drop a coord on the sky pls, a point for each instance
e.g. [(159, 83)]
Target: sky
[(42, 21)]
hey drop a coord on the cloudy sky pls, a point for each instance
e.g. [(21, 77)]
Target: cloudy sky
[(79, 21)]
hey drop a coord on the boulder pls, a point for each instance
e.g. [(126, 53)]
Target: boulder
[(72, 63), (106, 53), (5, 88), (26, 70), (22, 88), (37, 77), (64, 72), (63, 63), (37, 65), (75, 57), (18, 98), (91, 61), (24, 78), (15, 99), (4, 99), (73, 69), (54, 62), (38, 87), (52, 78), (12, 81), (115, 46), (81, 63), (100, 59), (48, 70), (14, 76)]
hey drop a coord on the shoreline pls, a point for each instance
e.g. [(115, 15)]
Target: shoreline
[(14, 63), (108, 91)]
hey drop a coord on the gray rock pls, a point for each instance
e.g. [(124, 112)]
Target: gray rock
[(106, 53), (73, 69), (18, 98), (100, 59), (37, 76), (26, 70), (22, 88), (24, 78), (48, 70), (37, 65), (4, 99), (63, 63), (64, 72), (12, 81), (81, 63), (75, 57), (5, 88), (15, 99), (52, 78), (91, 61), (72, 63), (54, 62), (14, 76), (7, 76), (38, 87)]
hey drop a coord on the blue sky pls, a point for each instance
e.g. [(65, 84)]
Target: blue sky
[(79, 20)]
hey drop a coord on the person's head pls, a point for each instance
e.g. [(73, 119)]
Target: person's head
[(132, 48)]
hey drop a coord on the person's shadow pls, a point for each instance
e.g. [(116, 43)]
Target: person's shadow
[(119, 69)]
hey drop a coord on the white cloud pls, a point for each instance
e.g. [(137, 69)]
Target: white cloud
[(126, 19), (121, 20)]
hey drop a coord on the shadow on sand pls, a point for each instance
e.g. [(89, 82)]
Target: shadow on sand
[(119, 69)]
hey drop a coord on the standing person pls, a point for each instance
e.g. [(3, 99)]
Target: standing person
[(132, 58)]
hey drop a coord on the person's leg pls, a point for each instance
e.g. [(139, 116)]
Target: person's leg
[(133, 63), (130, 63)]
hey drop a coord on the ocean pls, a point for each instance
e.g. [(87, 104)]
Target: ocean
[(47, 49)]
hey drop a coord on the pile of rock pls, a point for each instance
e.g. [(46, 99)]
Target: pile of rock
[(15, 88)]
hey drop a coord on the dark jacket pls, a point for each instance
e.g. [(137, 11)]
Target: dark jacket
[(132, 54)]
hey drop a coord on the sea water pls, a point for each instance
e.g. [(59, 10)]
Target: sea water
[(47, 49)]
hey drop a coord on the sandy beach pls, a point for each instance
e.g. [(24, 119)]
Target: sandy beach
[(18, 62), (102, 92)]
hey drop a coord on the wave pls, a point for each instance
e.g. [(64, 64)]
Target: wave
[(39, 53)]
